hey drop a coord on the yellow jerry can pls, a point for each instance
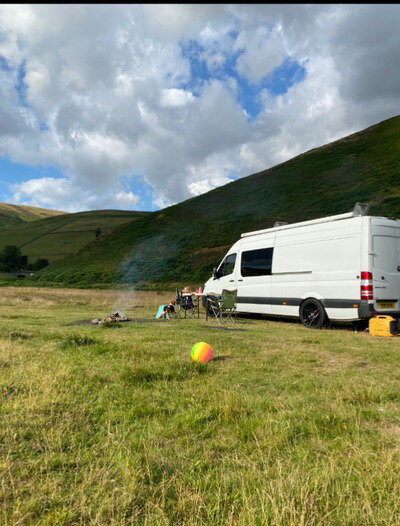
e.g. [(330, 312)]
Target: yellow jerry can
[(383, 326)]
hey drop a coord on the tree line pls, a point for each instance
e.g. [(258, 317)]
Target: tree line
[(12, 259)]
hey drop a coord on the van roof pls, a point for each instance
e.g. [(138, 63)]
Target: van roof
[(328, 219)]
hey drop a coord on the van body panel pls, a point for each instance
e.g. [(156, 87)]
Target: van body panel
[(254, 291), (321, 259), (385, 254)]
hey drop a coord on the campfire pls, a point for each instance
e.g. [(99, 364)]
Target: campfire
[(113, 317)]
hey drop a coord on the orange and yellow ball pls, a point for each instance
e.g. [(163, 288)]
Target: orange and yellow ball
[(201, 352)]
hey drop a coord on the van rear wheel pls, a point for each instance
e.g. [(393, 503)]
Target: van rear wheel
[(312, 314)]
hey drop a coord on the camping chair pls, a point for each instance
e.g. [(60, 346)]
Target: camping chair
[(184, 306), (222, 306)]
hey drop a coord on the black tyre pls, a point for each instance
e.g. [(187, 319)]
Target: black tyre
[(312, 314)]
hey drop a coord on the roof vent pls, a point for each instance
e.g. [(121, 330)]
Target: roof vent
[(280, 223), (361, 209)]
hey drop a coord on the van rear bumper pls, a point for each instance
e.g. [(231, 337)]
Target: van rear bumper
[(365, 310)]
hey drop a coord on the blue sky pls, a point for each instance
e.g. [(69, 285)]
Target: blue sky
[(277, 82), (142, 106)]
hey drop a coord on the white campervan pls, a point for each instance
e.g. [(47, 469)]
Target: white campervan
[(344, 268)]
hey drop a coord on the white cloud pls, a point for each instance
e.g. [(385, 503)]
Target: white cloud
[(116, 91), (176, 97), (66, 195), (205, 185), (126, 199), (160, 202), (263, 51)]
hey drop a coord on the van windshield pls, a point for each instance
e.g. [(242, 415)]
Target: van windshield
[(227, 266)]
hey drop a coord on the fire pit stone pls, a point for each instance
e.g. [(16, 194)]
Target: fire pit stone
[(113, 317)]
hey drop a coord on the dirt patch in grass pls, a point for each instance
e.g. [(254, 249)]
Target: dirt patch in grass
[(132, 320), (393, 430)]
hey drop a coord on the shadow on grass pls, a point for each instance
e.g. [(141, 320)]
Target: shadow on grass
[(77, 340), (221, 358), (336, 325), (18, 335)]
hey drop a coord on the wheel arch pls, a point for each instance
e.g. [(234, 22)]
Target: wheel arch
[(311, 295)]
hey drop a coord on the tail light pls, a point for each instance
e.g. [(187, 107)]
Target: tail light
[(366, 290), (366, 275)]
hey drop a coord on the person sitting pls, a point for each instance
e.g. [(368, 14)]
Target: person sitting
[(187, 301)]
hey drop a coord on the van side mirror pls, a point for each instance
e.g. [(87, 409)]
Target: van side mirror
[(215, 273)]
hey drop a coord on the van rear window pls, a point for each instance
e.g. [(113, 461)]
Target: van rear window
[(257, 262), (386, 253)]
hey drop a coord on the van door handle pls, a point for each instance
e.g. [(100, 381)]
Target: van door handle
[(231, 280), (240, 280)]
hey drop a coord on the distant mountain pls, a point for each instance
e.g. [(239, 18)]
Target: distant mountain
[(57, 237), (11, 215), (180, 244)]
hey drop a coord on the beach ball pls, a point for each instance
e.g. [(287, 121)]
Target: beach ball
[(201, 352)]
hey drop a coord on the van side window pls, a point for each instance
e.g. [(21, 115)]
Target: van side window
[(257, 262), (227, 265)]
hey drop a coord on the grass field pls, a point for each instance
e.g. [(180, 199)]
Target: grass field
[(107, 425)]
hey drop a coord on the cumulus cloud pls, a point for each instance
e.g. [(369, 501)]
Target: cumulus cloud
[(176, 97), (262, 51), (205, 185), (109, 91), (66, 195)]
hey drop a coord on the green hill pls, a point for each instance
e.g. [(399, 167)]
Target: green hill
[(182, 243), (57, 237), (11, 215)]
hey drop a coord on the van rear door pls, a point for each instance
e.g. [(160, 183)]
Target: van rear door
[(386, 264)]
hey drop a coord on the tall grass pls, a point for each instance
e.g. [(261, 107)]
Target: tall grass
[(284, 426)]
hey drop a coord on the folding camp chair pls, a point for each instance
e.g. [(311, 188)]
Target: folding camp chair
[(223, 306), (184, 305)]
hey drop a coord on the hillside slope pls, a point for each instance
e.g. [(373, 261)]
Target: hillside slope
[(57, 237), (11, 215), (182, 243)]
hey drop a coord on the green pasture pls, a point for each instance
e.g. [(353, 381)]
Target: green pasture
[(57, 237), (116, 425), (11, 215)]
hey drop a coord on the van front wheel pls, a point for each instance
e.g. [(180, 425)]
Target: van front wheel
[(312, 314)]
